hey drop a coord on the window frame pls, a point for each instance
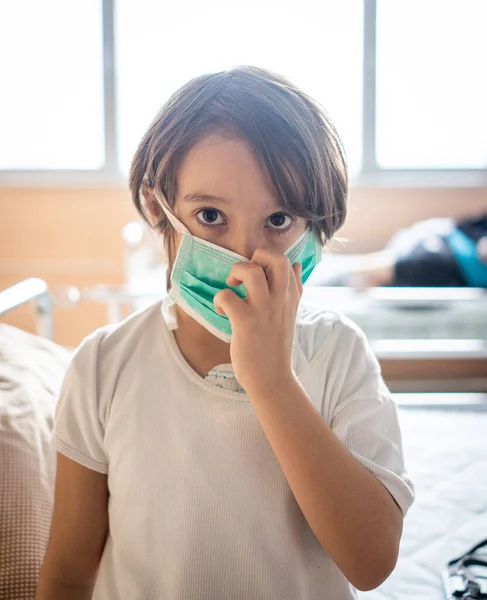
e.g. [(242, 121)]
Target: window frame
[(370, 176), (109, 175)]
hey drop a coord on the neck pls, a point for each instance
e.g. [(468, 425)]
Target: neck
[(195, 340)]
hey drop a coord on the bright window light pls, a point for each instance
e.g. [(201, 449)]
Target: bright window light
[(51, 106), (161, 45), (431, 84)]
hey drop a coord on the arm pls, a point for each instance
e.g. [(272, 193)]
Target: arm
[(78, 532), (352, 514)]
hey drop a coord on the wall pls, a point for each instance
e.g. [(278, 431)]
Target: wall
[(73, 237), (67, 237)]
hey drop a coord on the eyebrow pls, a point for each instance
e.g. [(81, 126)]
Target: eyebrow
[(199, 197), (204, 198)]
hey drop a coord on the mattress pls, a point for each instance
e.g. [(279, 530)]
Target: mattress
[(446, 455), (31, 371)]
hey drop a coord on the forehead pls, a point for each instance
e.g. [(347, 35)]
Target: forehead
[(226, 167)]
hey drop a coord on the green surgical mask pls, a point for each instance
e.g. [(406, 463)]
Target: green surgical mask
[(201, 269)]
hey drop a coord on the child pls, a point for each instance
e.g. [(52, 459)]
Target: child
[(226, 442)]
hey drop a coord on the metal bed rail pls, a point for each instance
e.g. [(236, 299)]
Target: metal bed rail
[(114, 297), (36, 290), (455, 401), (31, 290), (414, 299)]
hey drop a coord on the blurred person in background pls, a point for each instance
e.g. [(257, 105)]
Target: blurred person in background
[(440, 252)]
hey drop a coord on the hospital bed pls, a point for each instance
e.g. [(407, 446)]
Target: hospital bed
[(443, 433)]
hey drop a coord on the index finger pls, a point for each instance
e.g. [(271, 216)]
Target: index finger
[(276, 267)]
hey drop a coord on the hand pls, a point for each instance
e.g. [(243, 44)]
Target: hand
[(262, 323)]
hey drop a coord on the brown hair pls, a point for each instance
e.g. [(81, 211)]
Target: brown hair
[(289, 132)]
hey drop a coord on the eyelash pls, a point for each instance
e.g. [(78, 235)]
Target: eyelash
[(278, 231)]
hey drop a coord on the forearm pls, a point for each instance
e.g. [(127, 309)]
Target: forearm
[(51, 587), (351, 513)]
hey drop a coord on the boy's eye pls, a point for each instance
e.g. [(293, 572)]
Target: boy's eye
[(209, 216), (280, 220)]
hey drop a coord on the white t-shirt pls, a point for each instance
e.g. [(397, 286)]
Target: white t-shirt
[(199, 507)]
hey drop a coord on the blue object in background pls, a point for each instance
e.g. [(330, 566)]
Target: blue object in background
[(465, 250)]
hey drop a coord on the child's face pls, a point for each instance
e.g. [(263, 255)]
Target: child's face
[(225, 197)]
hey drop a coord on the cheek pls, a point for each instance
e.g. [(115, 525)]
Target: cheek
[(285, 241), (177, 240), (301, 227), (171, 246)]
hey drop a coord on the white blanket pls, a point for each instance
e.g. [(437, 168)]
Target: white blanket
[(446, 456)]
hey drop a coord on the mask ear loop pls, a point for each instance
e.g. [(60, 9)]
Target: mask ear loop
[(175, 222), (164, 204)]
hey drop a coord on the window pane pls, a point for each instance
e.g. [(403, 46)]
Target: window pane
[(161, 45), (431, 84), (51, 107)]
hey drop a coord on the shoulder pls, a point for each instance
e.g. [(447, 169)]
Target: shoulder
[(115, 342), (92, 375), (323, 332)]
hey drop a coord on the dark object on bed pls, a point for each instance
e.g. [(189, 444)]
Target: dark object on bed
[(474, 228), (444, 258), (466, 577), (424, 266)]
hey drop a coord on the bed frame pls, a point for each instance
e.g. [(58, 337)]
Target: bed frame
[(390, 303), (31, 290)]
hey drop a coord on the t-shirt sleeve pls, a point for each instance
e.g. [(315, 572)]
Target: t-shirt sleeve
[(365, 419), (78, 430)]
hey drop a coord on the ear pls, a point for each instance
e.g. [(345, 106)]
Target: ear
[(152, 208)]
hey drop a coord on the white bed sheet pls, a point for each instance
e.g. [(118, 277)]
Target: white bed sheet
[(446, 455)]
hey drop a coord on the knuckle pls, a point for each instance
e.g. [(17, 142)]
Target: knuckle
[(255, 272)]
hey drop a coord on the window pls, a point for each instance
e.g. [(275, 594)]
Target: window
[(402, 81), (161, 45), (431, 84), (51, 108)]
